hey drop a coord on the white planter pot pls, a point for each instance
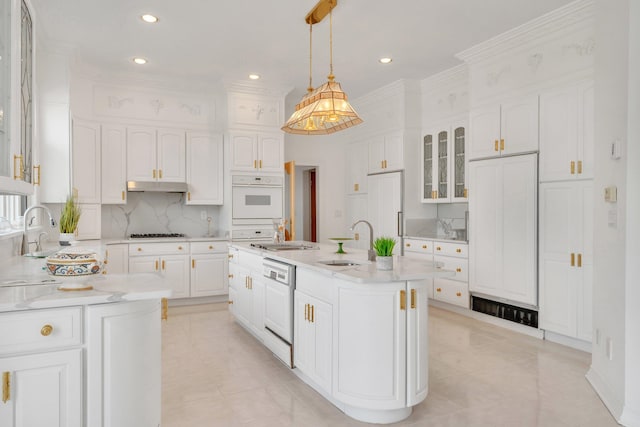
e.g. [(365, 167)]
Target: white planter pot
[(65, 239), (384, 262)]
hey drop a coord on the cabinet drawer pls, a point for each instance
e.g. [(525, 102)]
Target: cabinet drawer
[(418, 246), (40, 329), (459, 265), (251, 261), (451, 249), (208, 247), (315, 284), (451, 291), (137, 249)]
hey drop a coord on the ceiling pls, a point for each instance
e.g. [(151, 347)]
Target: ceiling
[(208, 42)]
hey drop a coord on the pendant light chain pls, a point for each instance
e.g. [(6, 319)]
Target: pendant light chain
[(310, 88), (331, 76)]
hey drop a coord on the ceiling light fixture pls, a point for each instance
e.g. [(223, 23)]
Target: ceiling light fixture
[(254, 76), (140, 61), (385, 60), (149, 18), (324, 110)]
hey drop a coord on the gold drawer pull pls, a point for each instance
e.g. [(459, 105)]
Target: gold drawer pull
[(210, 247), (573, 259), (458, 294), (495, 145), (356, 187), (459, 270), (122, 194), (139, 249), (458, 250), (413, 298), (36, 175), (163, 264), (160, 174), (153, 174), (579, 260), (572, 167), (465, 193), (313, 317), (193, 263), (438, 248), (403, 300), (230, 256), (6, 386), (230, 276), (438, 289), (424, 246), (579, 166), (179, 248), (502, 145), (46, 330), (188, 196), (408, 245), (230, 302), (156, 265)]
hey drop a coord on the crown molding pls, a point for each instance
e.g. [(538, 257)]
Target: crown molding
[(459, 73), (253, 88), (575, 14), (394, 88)]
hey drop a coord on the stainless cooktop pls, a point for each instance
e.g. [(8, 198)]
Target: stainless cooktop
[(290, 246)]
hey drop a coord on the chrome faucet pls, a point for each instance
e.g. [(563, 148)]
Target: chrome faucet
[(25, 238), (371, 254)]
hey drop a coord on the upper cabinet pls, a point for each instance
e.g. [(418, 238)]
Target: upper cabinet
[(86, 161), (444, 163), (256, 152), (504, 129), (204, 169), (17, 171), (114, 164), (155, 155), (566, 133), (386, 153), (357, 161)]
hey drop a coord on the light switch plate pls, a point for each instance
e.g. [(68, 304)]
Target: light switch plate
[(611, 194)]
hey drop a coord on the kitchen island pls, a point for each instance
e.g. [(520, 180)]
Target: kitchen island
[(77, 358), (360, 334)]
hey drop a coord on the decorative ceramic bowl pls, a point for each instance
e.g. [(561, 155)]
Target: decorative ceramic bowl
[(73, 264)]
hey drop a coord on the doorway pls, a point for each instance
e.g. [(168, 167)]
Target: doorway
[(301, 207)]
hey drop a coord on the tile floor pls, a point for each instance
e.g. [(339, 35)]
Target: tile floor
[(216, 374)]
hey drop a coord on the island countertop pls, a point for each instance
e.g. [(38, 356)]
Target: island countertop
[(404, 268)]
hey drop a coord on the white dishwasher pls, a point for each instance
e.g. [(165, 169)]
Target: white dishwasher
[(280, 283)]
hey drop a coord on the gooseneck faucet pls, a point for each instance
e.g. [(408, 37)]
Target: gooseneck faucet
[(371, 254), (25, 239)]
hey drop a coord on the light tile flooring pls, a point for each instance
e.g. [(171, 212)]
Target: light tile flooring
[(216, 374)]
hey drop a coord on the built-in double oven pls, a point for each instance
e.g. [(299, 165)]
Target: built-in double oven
[(256, 199)]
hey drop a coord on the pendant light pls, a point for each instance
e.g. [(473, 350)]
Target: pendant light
[(326, 109)]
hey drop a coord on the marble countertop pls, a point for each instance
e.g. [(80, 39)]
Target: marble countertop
[(438, 239), (108, 288), (404, 269)]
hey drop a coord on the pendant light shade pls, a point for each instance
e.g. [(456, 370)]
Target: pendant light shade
[(326, 109)]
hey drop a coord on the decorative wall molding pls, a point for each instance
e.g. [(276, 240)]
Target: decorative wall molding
[(534, 61), (493, 77), (585, 48), (247, 110)]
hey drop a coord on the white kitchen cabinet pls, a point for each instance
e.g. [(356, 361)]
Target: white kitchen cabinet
[(156, 154), (503, 234), (123, 364), (357, 167), (42, 390), (386, 153), (114, 164), (453, 290), (566, 133), (116, 259), (86, 161), (421, 250), (205, 166), (504, 129), (313, 332), (90, 222), (256, 152), (566, 258), (209, 269), (169, 259), (417, 342), (384, 204), (248, 292), (444, 163), (357, 209)]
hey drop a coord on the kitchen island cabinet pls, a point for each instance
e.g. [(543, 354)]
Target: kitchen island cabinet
[(342, 313)]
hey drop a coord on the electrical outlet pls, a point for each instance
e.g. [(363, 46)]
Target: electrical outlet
[(203, 215)]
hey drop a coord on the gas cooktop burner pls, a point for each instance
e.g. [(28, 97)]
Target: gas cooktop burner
[(155, 235)]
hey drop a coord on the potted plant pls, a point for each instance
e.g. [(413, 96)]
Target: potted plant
[(69, 218), (384, 252)]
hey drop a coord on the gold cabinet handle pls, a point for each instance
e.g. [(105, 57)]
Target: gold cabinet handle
[(165, 309), (260, 163), (193, 263), (6, 386), (179, 248), (255, 164), (230, 256), (495, 145), (403, 300), (438, 248), (163, 264), (459, 270), (160, 173), (573, 259), (189, 196), (408, 245), (438, 289), (46, 330), (356, 187), (413, 298), (579, 260), (122, 195), (356, 236), (230, 302), (381, 164), (579, 166), (435, 194), (139, 249), (210, 247), (465, 193), (313, 317), (458, 250), (458, 294), (424, 246), (572, 167), (156, 265), (19, 168), (153, 174), (306, 312), (502, 145), (230, 276), (36, 175)]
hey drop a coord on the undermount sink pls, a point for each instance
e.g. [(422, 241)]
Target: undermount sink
[(41, 254), (342, 262)]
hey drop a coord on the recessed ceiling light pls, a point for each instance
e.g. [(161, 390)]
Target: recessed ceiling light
[(385, 60), (149, 18), (140, 61), (254, 76)]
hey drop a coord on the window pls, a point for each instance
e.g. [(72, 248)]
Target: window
[(11, 207)]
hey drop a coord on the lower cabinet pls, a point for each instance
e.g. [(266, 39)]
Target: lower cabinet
[(246, 297), (116, 259), (209, 269), (169, 259), (42, 390), (312, 337)]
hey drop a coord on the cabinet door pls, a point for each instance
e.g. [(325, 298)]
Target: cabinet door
[(376, 154), (417, 341), (558, 134), (171, 152), (586, 121), (175, 268), (90, 223), (357, 168), (372, 323), (208, 275), (441, 162), (244, 151), (303, 350), (393, 152), (124, 364), (357, 209), (45, 390), (519, 126), (270, 153), (384, 202), (117, 259), (484, 131), (584, 271), (458, 171), (141, 154), (114, 164), (85, 161), (144, 264), (257, 305), (428, 173), (204, 169)]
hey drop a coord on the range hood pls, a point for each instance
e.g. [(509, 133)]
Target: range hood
[(158, 186)]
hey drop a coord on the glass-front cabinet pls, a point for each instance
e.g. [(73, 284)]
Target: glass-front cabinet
[(444, 163), (17, 173)]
